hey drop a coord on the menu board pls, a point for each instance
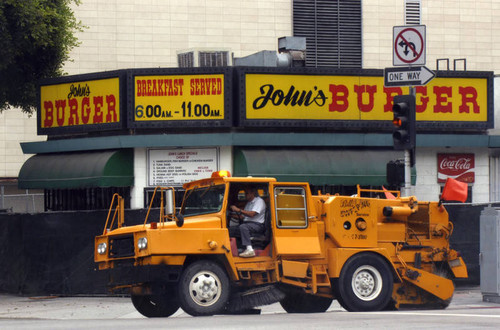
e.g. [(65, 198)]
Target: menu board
[(174, 167)]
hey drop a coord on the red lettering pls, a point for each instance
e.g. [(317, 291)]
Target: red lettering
[(469, 95), (180, 83), (213, 89), (111, 116), (139, 92), (149, 88), (85, 110), (73, 112), (202, 87), (98, 102), (442, 94), (155, 89), (60, 110), (49, 113), (172, 87), (390, 92), (360, 90), (421, 90), (339, 98), (143, 88), (160, 88), (175, 87)]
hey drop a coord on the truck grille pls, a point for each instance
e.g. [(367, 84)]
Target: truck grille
[(121, 246)]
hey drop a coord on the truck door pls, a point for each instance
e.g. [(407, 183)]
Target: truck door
[(293, 217)]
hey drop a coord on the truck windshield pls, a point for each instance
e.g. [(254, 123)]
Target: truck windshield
[(203, 200)]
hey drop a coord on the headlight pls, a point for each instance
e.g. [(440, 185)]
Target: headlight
[(142, 243), (101, 248)]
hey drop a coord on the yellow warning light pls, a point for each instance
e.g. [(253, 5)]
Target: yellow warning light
[(221, 174)]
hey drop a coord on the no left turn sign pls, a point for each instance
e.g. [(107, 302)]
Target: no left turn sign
[(408, 45)]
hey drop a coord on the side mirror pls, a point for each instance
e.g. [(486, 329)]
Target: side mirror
[(179, 220), (169, 202)]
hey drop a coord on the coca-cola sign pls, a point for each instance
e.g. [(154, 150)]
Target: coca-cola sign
[(457, 166)]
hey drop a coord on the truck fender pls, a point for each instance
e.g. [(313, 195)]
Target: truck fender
[(225, 260)]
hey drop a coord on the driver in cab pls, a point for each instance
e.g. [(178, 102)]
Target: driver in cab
[(253, 216)]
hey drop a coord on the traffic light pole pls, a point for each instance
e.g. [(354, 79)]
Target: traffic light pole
[(407, 188)]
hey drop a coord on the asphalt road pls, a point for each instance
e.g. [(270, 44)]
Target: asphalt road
[(467, 311)]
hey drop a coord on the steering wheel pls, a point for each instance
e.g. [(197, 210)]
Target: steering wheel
[(233, 217)]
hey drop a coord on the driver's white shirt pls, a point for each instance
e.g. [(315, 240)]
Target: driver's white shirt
[(258, 205)]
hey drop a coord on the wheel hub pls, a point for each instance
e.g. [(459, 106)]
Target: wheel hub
[(366, 283), (204, 288)]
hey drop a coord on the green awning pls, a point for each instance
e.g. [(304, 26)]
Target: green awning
[(78, 170), (318, 167)]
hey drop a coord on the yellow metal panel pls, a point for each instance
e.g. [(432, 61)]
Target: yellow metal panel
[(391, 231), (439, 286), (343, 212), (458, 268), (296, 244), (188, 241), (295, 268)]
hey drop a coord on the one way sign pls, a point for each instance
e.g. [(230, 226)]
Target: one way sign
[(410, 76)]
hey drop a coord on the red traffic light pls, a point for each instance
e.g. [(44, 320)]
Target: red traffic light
[(403, 134)]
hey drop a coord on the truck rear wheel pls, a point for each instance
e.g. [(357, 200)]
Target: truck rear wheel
[(298, 302), (203, 289), (155, 305), (365, 283)]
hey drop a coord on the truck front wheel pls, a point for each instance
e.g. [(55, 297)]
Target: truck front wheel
[(365, 283), (203, 289)]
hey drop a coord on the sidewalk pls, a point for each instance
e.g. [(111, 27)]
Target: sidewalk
[(53, 307)]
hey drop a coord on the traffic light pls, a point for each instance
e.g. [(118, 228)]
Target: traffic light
[(403, 133), (395, 173)]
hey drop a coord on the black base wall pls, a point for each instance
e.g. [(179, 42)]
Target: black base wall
[(53, 253)]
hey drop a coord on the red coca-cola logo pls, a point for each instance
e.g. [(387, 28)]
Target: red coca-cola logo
[(456, 166)]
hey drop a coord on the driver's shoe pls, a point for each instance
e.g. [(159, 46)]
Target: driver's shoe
[(247, 253)]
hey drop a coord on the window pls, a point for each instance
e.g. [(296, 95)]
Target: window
[(203, 200), (291, 211), (333, 32)]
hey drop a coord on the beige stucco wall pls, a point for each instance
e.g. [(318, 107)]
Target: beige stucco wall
[(148, 33), (454, 30), (15, 127)]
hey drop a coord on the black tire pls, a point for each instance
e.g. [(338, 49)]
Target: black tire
[(365, 283), (336, 292), (299, 302), (155, 305), (203, 289)]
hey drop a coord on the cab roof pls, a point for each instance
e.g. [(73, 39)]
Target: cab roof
[(223, 180)]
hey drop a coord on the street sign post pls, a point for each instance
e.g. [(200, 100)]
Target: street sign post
[(408, 76), (408, 45)]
